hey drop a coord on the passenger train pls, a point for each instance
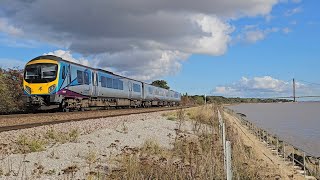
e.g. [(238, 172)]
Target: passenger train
[(52, 82)]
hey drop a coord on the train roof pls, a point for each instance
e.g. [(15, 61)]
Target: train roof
[(56, 58)]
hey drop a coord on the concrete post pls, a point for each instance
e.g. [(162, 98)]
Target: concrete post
[(277, 145), (284, 150), (229, 162), (224, 144), (304, 164)]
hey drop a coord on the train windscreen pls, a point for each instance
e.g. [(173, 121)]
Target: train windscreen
[(40, 73)]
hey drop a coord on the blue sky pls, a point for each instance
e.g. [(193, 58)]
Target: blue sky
[(253, 50)]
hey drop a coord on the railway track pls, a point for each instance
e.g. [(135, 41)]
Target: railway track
[(23, 121)]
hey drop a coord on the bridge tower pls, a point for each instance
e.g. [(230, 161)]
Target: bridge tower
[(294, 90)]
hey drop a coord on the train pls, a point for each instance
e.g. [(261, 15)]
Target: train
[(50, 82)]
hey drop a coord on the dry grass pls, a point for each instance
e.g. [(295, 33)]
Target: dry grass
[(62, 137), (26, 145), (246, 164), (196, 155)]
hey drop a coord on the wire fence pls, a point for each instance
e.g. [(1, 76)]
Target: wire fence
[(301, 161), (226, 148)]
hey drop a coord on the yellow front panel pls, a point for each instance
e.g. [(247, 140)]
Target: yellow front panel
[(41, 88)]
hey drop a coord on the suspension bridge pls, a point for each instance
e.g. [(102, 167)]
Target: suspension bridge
[(294, 91)]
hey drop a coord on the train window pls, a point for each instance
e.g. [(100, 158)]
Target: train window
[(103, 81), (86, 78), (63, 72), (136, 87), (150, 90), (115, 84), (109, 83), (80, 77), (120, 85)]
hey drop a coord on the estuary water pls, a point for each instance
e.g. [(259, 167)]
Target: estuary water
[(296, 123)]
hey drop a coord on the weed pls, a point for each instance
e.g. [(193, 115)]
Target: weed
[(62, 137), (51, 172), (27, 145), (74, 135), (91, 157), (36, 145)]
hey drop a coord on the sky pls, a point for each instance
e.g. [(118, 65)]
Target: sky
[(233, 48)]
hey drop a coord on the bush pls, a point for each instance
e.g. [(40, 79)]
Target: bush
[(11, 90)]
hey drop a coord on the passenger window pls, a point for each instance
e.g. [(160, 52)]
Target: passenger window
[(63, 72), (80, 77), (115, 84), (136, 88), (86, 78), (120, 85), (103, 81), (109, 82)]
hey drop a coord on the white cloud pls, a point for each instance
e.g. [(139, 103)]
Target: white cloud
[(218, 38), (130, 35), (293, 11), (9, 29), (266, 87), (11, 63), (293, 22), (256, 87), (296, 1), (66, 55), (286, 30), (143, 65), (252, 34)]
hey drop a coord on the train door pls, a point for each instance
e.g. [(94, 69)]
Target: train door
[(130, 89), (94, 84)]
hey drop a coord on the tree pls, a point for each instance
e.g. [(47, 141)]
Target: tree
[(160, 83)]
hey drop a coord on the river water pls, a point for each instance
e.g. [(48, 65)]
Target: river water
[(296, 123)]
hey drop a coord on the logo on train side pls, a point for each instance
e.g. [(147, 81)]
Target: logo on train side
[(40, 88)]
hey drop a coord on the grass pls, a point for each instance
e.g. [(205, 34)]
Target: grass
[(26, 144), (195, 155), (35, 144), (170, 115), (62, 137)]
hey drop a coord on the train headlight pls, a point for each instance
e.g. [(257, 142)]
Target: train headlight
[(28, 89), (52, 88)]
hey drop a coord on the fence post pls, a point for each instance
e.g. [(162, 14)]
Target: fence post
[(293, 157), (224, 144), (304, 164), (277, 145), (229, 165), (284, 150)]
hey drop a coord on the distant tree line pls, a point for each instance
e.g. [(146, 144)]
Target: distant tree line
[(200, 100)]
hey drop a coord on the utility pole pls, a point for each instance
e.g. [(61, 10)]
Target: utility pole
[(294, 90)]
